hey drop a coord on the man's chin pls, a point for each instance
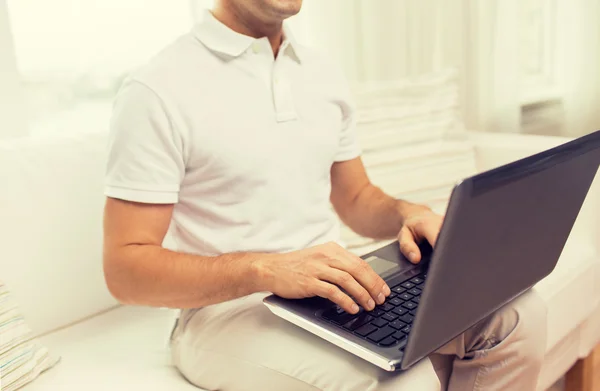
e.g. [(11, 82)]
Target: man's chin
[(286, 8)]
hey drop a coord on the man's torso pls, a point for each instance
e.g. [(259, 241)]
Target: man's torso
[(258, 138)]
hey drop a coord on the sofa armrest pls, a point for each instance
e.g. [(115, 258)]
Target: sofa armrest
[(495, 149)]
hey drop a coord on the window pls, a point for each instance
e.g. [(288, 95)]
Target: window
[(72, 55), (539, 59), (542, 109)]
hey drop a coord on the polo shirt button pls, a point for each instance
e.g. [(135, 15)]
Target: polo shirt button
[(256, 47)]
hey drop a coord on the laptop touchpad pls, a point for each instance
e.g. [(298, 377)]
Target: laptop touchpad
[(381, 266)]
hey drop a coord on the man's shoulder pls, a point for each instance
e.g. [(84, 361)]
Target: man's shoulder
[(172, 68)]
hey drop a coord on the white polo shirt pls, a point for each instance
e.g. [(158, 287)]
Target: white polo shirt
[(241, 142)]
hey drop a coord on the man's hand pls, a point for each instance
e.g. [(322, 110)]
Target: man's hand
[(420, 223), (321, 271)]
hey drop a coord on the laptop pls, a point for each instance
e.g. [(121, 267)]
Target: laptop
[(503, 232)]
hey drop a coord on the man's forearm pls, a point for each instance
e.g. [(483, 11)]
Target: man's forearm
[(377, 215), (153, 276)]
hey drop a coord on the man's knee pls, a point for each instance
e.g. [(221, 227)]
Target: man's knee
[(519, 327), (532, 326)]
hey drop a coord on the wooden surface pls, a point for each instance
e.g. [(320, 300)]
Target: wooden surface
[(585, 374)]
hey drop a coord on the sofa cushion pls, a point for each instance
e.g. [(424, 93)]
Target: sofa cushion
[(51, 227), (127, 349), (569, 292), (22, 357), (123, 349)]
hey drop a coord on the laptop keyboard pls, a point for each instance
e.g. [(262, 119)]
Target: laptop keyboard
[(388, 324)]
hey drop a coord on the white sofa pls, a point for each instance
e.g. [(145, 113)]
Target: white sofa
[(51, 228)]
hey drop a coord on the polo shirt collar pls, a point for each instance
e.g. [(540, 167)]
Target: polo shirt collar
[(293, 45), (220, 38)]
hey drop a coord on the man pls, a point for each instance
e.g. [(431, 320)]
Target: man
[(226, 152)]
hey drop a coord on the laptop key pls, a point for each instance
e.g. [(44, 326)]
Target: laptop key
[(377, 312), (390, 317), (381, 334), (380, 322), (398, 289), (417, 281), (406, 296), (415, 291), (398, 325), (334, 315), (400, 311), (413, 312), (417, 299), (366, 330), (409, 305), (398, 335), (406, 329), (407, 318), (391, 296), (396, 301), (357, 322), (389, 341), (387, 307), (407, 285)]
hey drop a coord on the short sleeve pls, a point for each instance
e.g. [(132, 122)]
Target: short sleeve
[(145, 158), (348, 147)]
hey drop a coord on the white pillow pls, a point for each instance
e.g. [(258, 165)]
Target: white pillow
[(22, 357)]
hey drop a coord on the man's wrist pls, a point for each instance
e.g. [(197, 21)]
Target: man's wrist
[(406, 209), (259, 273)]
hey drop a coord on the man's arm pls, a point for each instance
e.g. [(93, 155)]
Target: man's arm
[(146, 166), (138, 270), (368, 211)]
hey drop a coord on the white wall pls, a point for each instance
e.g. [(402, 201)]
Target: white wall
[(579, 24), (12, 114)]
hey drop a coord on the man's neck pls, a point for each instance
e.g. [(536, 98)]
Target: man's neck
[(252, 27)]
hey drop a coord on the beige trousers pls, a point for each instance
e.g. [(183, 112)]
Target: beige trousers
[(241, 346)]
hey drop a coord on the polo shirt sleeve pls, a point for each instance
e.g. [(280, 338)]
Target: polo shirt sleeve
[(348, 147), (145, 159)]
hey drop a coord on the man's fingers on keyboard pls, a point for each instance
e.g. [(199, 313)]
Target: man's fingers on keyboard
[(408, 245), (334, 294), (364, 274), (349, 284)]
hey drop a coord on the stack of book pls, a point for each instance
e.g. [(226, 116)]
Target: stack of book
[(413, 141)]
